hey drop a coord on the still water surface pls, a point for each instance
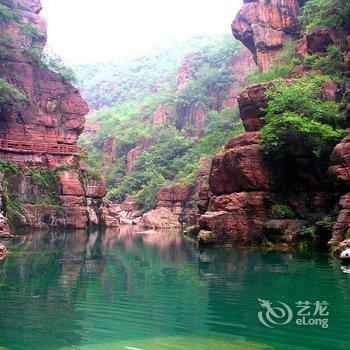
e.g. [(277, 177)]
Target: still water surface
[(123, 289)]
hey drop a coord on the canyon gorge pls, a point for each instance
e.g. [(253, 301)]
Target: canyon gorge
[(230, 197)]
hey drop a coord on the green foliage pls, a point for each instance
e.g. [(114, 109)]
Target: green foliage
[(347, 235), (174, 157), (8, 167), (52, 62), (281, 211), (63, 166), (111, 84), (57, 65), (304, 98), (48, 181), (7, 14), (329, 63), (31, 30), (211, 75), (308, 232), (91, 173), (300, 122), (294, 135), (13, 205), (10, 95), (328, 13), (6, 43), (147, 198)]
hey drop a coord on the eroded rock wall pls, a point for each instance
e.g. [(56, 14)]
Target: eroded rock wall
[(245, 186), (264, 26), (49, 112)]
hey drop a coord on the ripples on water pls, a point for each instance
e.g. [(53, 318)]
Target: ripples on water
[(123, 289)]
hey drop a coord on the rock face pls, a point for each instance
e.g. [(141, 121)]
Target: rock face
[(61, 199), (180, 200), (241, 64), (245, 187), (141, 145), (187, 202), (340, 171), (251, 101), (54, 110), (162, 115), (240, 168), (185, 72), (51, 112), (264, 26)]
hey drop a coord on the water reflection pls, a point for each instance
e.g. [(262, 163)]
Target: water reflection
[(67, 289)]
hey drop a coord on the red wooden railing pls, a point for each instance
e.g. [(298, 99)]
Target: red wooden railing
[(35, 147)]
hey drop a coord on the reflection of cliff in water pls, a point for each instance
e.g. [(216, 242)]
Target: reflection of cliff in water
[(61, 289), (53, 280)]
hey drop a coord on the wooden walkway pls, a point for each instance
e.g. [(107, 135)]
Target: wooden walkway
[(35, 147)]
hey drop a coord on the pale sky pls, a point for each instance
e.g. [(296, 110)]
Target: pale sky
[(101, 30)]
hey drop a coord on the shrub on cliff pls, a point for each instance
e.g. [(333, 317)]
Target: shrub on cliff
[(295, 135), (329, 62), (31, 30), (52, 62), (10, 95), (328, 13), (282, 211), (304, 98), (299, 122)]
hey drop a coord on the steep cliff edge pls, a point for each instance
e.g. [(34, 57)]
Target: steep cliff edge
[(44, 182), (264, 27), (263, 192)]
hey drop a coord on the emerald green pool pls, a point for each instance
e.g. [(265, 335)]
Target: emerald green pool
[(122, 289)]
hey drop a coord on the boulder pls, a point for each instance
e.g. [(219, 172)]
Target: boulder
[(283, 231), (159, 219), (240, 167), (319, 38), (237, 218), (252, 100), (110, 214)]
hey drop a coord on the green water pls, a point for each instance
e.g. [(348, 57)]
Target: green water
[(121, 289)]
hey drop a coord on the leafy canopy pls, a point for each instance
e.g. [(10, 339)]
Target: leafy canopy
[(328, 13)]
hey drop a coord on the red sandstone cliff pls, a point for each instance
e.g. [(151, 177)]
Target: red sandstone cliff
[(264, 26), (244, 184), (51, 112)]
